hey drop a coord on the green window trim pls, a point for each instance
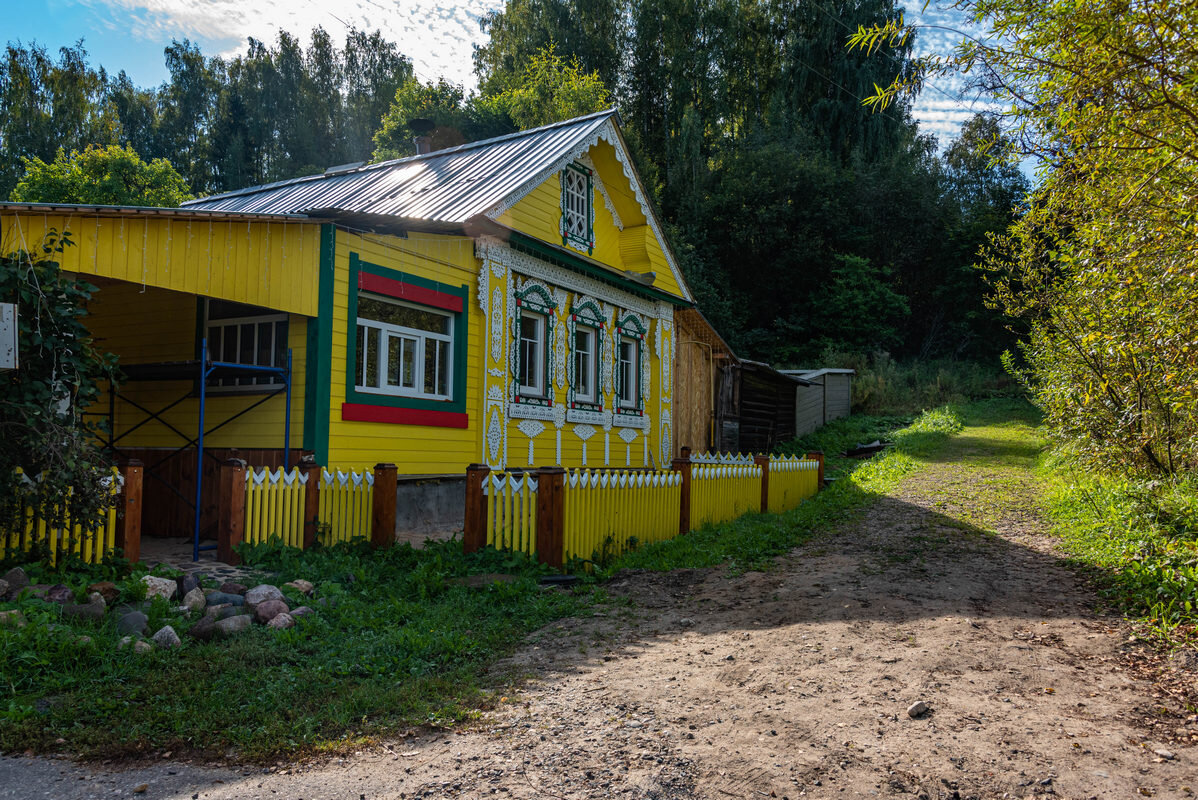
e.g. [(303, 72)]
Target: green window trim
[(587, 314), (568, 177), (631, 328), (537, 301), (457, 403)]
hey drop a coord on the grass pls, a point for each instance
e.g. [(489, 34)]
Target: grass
[(400, 644), (1137, 540)]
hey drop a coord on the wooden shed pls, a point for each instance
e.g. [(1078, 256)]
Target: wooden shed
[(702, 356), (827, 396)]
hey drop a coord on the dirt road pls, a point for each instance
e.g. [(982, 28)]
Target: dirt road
[(794, 682)]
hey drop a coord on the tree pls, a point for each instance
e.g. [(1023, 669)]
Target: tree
[(42, 428), (1102, 95), (110, 175), (549, 89)]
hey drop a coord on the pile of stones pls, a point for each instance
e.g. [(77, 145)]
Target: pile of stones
[(222, 612)]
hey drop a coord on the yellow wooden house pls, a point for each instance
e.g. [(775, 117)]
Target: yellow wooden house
[(508, 302)]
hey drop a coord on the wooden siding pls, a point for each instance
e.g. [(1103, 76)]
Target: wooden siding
[(269, 264), (767, 411), (839, 388), (155, 325), (809, 408), (415, 449), (694, 388)]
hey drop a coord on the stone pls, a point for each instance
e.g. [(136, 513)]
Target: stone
[(234, 625), (301, 586), (213, 610), (224, 598), (195, 599), (267, 610), (204, 629), (92, 611), (1167, 755), (231, 587), (260, 594), (187, 582), (3, 588), (132, 622), (60, 593), (918, 709), (83, 641), (302, 611), (38, 590), (281, 621), (14, 619), (16, 580), (166, 638), (124, 642), (159, 587), (231, 611), (142, 646), (107, 590)]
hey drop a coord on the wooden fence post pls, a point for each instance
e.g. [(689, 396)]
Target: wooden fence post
[(311, 503), (474, 527), (764, 463), (683, 464), (551, 515), (818, 455), (382, 522), (230, 511), (128, 511)]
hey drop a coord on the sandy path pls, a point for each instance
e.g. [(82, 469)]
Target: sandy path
[(791, 683)]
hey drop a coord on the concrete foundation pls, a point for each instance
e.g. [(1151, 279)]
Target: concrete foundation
[(429, 507)]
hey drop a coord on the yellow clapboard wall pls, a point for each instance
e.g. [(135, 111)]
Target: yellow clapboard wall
[(268, 264), (156, 325), (415, 449)]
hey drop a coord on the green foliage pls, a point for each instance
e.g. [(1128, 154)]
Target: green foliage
[(548, 89), (112, 175), (754, 540), (42, 429), (399, 639)]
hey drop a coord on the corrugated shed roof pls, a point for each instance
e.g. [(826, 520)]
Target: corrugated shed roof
[(447, 186)]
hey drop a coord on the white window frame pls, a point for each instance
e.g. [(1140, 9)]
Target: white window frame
[(591, 373), (248, 383), (388, 331), (578, 211), (622, 386), (539, 389)]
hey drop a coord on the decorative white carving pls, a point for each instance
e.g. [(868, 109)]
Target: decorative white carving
[(494, 437), (559, 353), (607, 420), (532, 429), (526, 411), (496, 322), (495, 393), (484, 284), (627, 434), (584, 432), (559, 416), (587, 417), (606, 449), (495, 372), (597, 182), (558, 433), (665, 425), (629, 421)]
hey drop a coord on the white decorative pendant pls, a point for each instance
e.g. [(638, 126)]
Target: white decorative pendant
[(532, 429)]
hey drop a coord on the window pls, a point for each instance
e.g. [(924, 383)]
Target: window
[(586, 365), (403, 349), (241, 334), (532, 354), (577, 226), (628, 374)]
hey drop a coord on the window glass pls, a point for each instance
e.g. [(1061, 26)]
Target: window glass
[(403, 349), (403, 316), (532, 343), (584, 364)]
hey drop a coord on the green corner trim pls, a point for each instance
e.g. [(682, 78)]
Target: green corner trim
[(461, 337), (319, 384)]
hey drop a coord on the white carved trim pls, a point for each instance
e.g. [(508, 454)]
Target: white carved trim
[(597, 182), (586, 417), (523, 411)]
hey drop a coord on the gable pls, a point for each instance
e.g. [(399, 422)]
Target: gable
[(626, 234)]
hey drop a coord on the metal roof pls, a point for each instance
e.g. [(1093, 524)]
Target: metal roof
[(144, 211), (447, 186)]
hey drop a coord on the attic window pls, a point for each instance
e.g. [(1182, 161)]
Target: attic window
[(578, 213)]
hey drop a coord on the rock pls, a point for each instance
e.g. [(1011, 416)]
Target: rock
[(142, 646), (224, 598), (1168, 755), (260, 594), (918, 709), (281, 621), (166, 638), (302, 611), (234, 625), (107, 590), (301, 586), (3, 588), (124, 642), (14, 619), (195, 599), (132, 622), (686, 622), (213, 610), (186, 583), (159, 587), (38, 590), (231, 611), (60, 593), (204, 629), (93, 610), (267, 610), (16, 580), (83, 641), (230, 587)]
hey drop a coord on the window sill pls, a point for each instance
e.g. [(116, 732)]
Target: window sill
[(639, 421), (359, 412), (588, 417)]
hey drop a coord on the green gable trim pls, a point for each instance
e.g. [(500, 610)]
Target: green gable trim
[(318, 386), (535, 247), (461, 337)]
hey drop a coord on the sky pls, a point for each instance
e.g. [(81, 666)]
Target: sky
[(438, 35)]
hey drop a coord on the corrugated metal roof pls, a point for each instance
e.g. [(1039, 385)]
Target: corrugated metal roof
[(447, 186), (144, 211)]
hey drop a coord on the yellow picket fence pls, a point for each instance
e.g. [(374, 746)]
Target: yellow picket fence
[(511, 507), (720, 492), (791, 481), (605, 510), (274, 505), (91, 544), (346, 500)]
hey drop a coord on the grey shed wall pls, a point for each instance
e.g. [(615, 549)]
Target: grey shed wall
[(809, 407), (838, 388)]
